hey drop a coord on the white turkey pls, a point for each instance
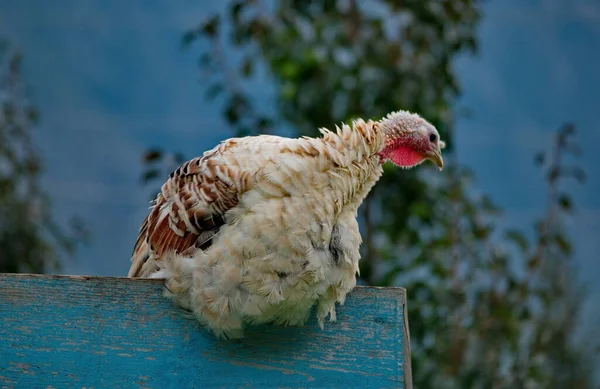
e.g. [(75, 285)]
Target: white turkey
[(261, 228)]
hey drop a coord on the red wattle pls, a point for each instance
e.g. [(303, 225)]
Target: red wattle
[(405, 156)]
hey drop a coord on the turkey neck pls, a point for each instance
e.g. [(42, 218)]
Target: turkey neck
[(356, 163)]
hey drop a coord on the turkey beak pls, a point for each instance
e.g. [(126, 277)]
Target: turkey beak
[(436, 157)]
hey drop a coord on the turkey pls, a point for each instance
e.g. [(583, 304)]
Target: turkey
[(262, 228)]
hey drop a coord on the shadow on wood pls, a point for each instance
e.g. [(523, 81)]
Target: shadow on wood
[(75, 332)]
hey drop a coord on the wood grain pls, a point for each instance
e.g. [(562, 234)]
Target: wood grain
[(97, 332)]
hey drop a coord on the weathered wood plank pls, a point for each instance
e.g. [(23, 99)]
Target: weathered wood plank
[(67, 332)]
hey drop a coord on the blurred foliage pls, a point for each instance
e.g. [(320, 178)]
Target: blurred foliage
[(30, 241), (493, 308), (487, 308)]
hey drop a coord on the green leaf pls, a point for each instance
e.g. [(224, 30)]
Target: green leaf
[(210, 28), (237, 8), (565, 203), (152, 155), (518, 238), (33, 115), (150, 175), (263, 124), (188, 38), (247, 67), (540, 158), (563, 244)]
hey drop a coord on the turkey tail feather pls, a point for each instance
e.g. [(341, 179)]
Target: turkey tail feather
[(141, 253)]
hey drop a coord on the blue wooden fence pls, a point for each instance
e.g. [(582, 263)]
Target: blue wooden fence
[(97, 332)]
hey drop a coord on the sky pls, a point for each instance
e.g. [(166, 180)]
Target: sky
[(111, 80)]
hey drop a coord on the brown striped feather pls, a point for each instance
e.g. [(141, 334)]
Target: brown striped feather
[(190, 196)]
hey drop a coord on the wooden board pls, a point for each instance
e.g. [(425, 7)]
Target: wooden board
[(98, 332)]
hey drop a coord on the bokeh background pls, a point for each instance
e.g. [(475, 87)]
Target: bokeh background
[(101, 98)]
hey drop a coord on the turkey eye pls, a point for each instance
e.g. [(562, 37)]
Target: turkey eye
[(432, 138)]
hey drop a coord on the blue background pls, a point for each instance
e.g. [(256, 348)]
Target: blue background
[(111, 80)]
